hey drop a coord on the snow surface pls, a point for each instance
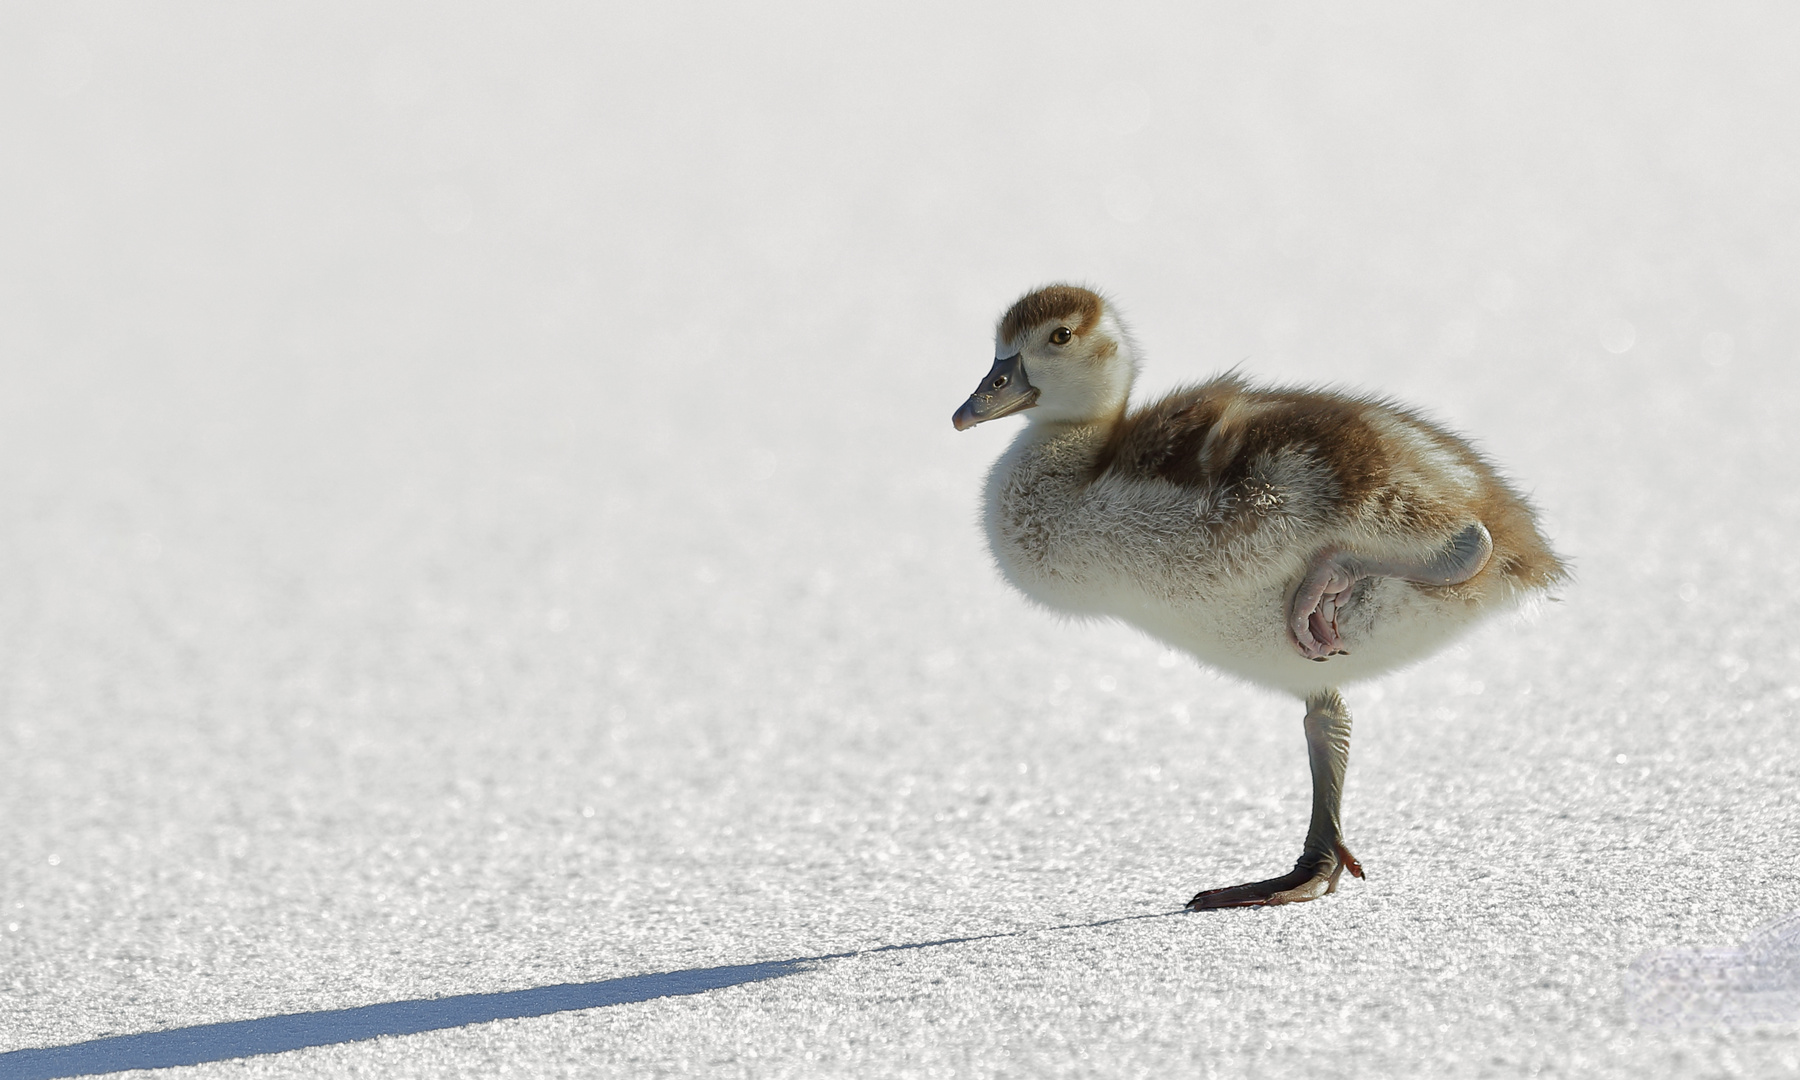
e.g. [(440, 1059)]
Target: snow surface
[(482, 522)]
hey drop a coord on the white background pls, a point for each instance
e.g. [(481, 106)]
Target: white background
[(478, 510)]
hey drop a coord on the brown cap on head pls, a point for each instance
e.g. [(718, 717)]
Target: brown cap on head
[(1079, 308)]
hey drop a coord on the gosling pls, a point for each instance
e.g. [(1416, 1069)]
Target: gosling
[(1298, 539)]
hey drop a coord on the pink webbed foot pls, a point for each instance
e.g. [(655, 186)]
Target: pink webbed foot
[(1312, 616), (1326, 587)]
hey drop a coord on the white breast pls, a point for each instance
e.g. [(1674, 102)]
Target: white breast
[(1148, 553)]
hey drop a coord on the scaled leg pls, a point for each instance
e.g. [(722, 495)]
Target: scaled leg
[(1324, 858)]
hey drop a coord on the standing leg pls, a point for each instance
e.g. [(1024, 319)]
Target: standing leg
[(1325, 858)]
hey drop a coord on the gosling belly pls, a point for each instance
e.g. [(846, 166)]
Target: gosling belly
[(1242, 631)]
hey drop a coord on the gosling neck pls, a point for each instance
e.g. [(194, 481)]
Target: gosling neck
[(1078, 449)]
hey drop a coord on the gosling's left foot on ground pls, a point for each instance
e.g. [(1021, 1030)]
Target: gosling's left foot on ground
[(1308, 880)]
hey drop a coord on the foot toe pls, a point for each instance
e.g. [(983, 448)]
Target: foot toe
[(1310, 879)]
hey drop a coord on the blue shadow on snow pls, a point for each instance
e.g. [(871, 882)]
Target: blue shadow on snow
[(296, 1031), (274, 1034)]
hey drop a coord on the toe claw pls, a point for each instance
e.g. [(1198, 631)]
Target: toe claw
[(1312, 878)]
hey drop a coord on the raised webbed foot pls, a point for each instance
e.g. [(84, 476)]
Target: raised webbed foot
[(1312, 877), (1329, 586)]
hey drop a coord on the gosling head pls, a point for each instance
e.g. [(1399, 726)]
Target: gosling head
[(1059, 351)]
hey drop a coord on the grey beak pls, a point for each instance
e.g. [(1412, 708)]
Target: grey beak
[(1005, 391)]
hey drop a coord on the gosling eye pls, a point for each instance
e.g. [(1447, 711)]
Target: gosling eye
[(1060, 336)]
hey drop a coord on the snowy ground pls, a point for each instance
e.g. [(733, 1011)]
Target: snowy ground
[(481, 517)]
